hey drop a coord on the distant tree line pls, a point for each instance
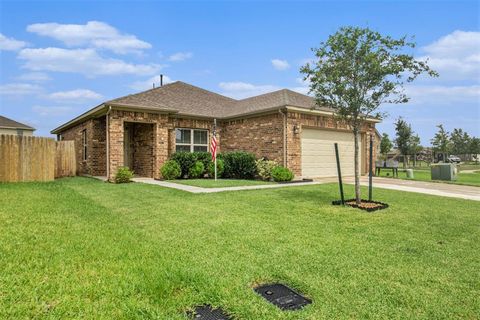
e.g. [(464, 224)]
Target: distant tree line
[(407, 142)]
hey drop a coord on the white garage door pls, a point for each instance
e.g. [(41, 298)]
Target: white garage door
[(318, 153)]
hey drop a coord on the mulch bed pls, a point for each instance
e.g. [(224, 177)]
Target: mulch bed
[(366, 205)]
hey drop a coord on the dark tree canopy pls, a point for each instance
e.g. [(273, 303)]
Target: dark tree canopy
[(441, 140), (404, 135), (385, 145)]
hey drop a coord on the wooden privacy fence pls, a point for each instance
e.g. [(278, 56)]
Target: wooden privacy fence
[(35, 158), (65, 163)]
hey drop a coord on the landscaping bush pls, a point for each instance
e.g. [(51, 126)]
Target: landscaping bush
[(204, 157), (123, 175), (220, 168), (171, 170), (239, 165), (280, 174), (186, 160), (197, 170), (264, 168)]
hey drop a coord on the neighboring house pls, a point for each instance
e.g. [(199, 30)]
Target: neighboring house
[(142, 130), (9, 126)]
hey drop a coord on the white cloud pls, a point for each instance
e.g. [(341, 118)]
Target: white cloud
[(240, 90), (84, 61), (93, 34), (34, 76), (443, 95), (77, 95), (280, 64), (51, 111), (19, 89), (148, 84), (455, 56), (10, 44), (180, 56)]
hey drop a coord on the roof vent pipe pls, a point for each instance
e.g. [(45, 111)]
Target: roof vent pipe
[(161, 80)]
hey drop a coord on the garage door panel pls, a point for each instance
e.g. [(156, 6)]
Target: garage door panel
[(318, 153)]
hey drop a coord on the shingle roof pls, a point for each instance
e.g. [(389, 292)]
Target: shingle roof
[(9, 123), (186, 99), (191, 100)]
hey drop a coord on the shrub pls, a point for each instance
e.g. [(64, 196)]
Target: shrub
[(197, 170), (123, 175), (186, 160), (239, 165), (280, 174), (171, 170), (264, 168), (220, 168), (204, 157)]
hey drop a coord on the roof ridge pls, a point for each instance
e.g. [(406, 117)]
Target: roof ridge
[(208, 91)]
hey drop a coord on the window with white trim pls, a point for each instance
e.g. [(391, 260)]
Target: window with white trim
[(191, 140), (84, 144)]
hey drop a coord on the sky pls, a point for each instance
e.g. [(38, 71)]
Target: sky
[(59, 59)]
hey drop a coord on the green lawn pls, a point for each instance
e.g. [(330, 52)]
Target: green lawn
[(472, 179), (81, 248), (220, 183)]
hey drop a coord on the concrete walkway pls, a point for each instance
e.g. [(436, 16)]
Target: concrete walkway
[(432, 188), (193, 189)]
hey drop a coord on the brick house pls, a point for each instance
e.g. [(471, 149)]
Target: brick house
[(142, 130)]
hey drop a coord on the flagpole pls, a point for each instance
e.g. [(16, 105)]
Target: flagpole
[(215, 133)]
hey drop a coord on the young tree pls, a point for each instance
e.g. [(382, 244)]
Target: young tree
[(385, 145), (441, 142), (403, 139), (460, 142), (355, 71), (474, 147), (415, 148)]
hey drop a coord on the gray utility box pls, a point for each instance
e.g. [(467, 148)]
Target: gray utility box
[(444, 171)]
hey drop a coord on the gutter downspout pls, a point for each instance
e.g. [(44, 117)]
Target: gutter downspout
[(108, 141), (284, 115)]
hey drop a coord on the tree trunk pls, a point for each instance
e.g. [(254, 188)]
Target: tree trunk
[(414, 160), (404, 161), (357, 166)]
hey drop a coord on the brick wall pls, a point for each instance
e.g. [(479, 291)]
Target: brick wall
[(261, 135), (98, 154), (95, 164)]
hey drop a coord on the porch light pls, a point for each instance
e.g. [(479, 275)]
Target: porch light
[(296, 130)]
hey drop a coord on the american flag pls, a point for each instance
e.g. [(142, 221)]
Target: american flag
[(213, 143)]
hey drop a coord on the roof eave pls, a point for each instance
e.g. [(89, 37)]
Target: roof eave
[(98, 109), (102, 108), (324, 112), (18, 128)]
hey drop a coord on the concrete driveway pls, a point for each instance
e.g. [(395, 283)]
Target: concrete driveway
[(433, 188)]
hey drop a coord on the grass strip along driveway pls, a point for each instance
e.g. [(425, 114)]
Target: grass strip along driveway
[(80, 248), (469, 179)]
